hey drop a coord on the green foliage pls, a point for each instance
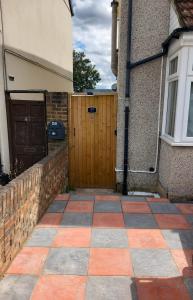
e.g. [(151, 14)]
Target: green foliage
[(85, 74)]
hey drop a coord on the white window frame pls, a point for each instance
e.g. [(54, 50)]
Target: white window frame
[(184, 76)]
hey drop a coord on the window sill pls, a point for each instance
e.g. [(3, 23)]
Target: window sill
[(175, 144)]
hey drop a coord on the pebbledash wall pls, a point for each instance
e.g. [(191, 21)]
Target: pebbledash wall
[(147, 36), (26, 198)]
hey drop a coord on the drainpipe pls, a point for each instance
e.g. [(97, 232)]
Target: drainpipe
[(127, 99), (114, 51)]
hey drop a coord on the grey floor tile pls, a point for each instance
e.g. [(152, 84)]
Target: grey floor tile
[(153, 262), (76, 219), (41, 237), (109, 238), (189, 218), (189, 284), (69, 261), (110, 288), (76, 197), (164, 208), (179, 239), (107, 206), (14, 287), (57, 207), (140, 221), (133, 198)]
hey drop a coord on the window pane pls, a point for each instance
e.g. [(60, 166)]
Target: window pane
[(173, 66), (171, 107), (190, 118)]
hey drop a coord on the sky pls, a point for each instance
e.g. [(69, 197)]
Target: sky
[(92, 34)]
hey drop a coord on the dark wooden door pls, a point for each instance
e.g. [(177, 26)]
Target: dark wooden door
[(28, 133)]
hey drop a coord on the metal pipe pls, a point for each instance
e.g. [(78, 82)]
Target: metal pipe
[(127, 98), (114, 53)]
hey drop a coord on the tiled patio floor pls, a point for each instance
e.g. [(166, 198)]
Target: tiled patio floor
[(106, 247)]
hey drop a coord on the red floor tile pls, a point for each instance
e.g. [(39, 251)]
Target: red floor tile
[(170, 221), (185, 208), (136, 207), (29, 261), (183, 259), (110, 262), (62, 197), (161, 289), (158, 200), (146, 239), (50, 220), (58, 287), (73, 237), (79, 206), (107, 198), (108, 220)]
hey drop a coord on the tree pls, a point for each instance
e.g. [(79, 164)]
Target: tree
[(85, 74)]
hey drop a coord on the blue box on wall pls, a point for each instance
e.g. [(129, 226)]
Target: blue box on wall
[(56, 130)]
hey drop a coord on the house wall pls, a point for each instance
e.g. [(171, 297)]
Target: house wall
[(174, 22), (176, 171), (37, 39), (150, 28), (28, 75), (41, 28)]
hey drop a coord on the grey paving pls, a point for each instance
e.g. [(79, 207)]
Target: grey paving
[(140, 221), (109, 238), (76, 219), (107, 206), (41, 237), (133, 198), (14, 287), (189, 284), (179, 239), (189, 218), (82, 197), (110, 288), (151, 262), (69, 261), (164, 208), (57, 207)]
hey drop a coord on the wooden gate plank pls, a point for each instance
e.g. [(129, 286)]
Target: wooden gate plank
[(92, 148)]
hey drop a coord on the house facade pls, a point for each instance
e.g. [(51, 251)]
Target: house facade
[(35, 55), (155, 96)]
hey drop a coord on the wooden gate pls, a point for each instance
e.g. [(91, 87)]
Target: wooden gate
[(28, 140), (92, 141)]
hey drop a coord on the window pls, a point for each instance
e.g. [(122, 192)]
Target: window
[(173, 66), (172, 96), (171, 108), (177, 127), (190, 117)]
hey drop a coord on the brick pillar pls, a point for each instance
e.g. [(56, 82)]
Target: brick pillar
[(57, 110)]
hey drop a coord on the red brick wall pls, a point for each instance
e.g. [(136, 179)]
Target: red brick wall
[(57, 110), (26, 198)]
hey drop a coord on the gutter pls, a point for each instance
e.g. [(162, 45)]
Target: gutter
[(127, 99), (165, 46), (114, 51)]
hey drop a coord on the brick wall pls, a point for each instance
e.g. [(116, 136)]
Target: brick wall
[(26, 198), (57, 109)]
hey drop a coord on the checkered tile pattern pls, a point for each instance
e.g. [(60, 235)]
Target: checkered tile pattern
[(106, 247)]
